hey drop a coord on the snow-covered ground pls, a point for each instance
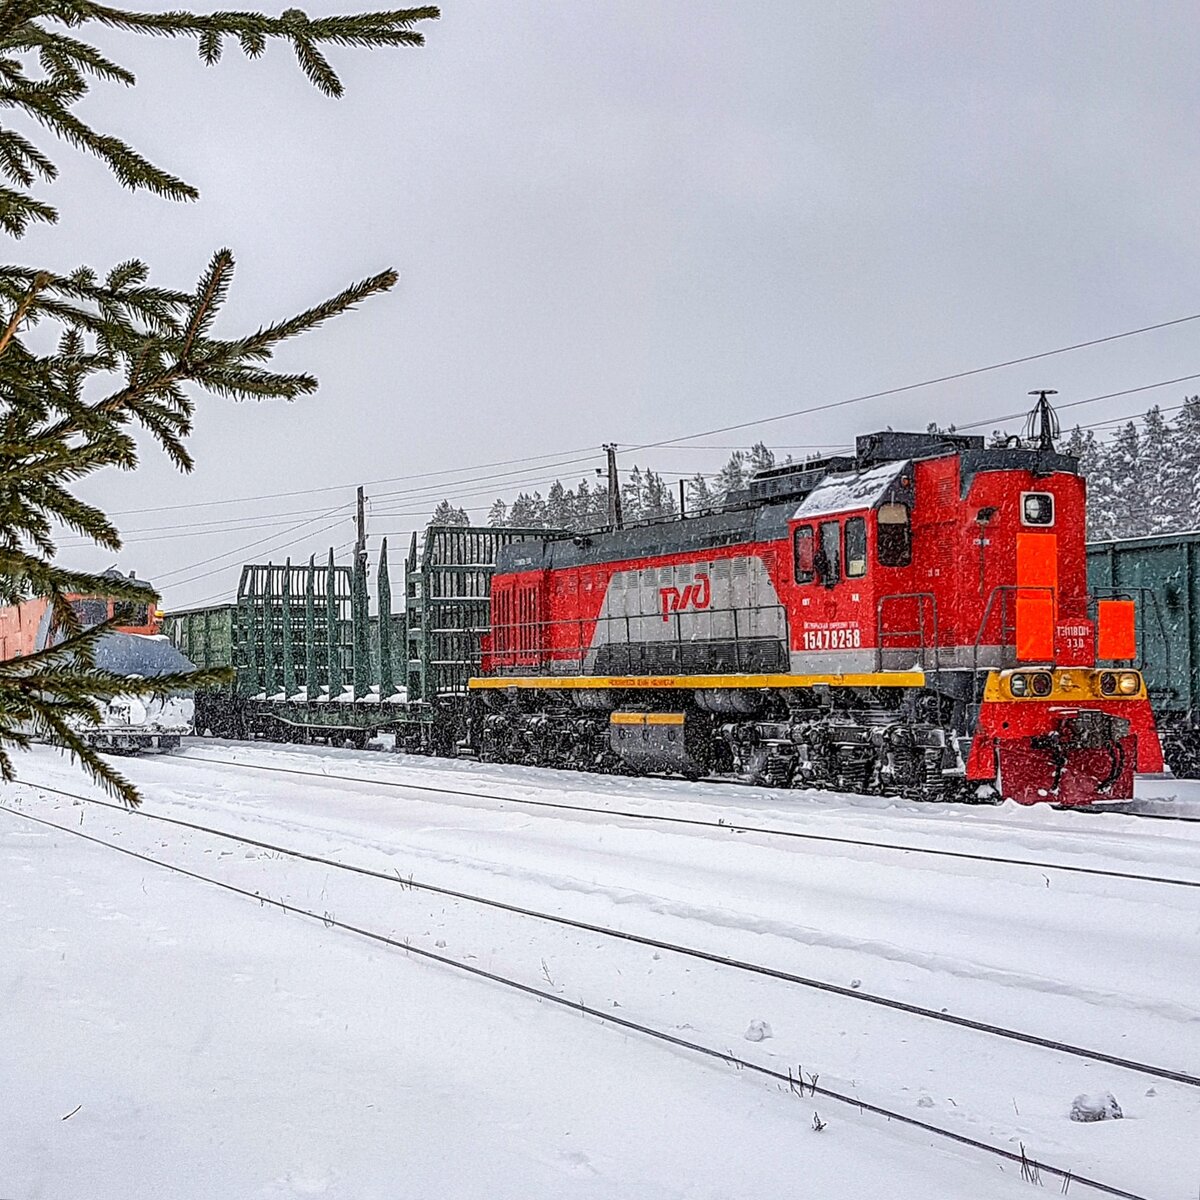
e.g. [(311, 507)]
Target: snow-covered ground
[(162, 1037)]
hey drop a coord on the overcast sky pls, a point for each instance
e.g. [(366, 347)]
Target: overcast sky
[(631, 221)]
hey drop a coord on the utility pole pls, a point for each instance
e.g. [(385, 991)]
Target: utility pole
[(682, 501), (614, 488), (360, 544), (360, 606)]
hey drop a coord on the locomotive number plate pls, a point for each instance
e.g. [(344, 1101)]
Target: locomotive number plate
[(849, 638)]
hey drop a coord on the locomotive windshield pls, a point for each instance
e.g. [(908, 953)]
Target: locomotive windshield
[(894, 544), (804, 549), (829, 555), (856, 548)]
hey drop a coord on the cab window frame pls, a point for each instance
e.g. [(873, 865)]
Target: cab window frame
[(859, 559), (829, 539), (1037, 496), (807, 534), (893, 549)]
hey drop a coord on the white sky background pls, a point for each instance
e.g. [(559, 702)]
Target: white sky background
[(627, 221)]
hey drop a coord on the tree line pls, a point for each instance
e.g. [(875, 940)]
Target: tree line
[(645, 496), (1145, 481)]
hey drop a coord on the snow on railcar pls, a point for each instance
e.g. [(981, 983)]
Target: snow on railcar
[(134, 647), (910, 619)]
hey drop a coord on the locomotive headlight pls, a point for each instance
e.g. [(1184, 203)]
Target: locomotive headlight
[(1018, 685), (1108, 683), (1129, 683), (1041, 683)]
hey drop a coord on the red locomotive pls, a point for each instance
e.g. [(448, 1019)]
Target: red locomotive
[(912, 620)]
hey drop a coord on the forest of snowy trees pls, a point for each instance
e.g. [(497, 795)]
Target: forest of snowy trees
[(645, 496), (1143, 481), (1140, 481)]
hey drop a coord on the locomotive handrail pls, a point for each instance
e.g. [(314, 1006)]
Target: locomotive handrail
[(527, 643), (1003, 590), (920, 597)]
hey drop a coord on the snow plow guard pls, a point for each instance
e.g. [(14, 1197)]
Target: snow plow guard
[(1070, 746)]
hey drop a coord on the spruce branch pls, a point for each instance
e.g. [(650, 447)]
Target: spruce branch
[(87, 359)]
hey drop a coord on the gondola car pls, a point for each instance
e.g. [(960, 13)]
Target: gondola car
[(133, 647), (911, 619)]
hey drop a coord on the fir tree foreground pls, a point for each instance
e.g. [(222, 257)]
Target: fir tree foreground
[(87, 358)]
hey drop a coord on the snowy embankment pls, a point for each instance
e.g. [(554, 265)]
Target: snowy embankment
[(217, 1046)]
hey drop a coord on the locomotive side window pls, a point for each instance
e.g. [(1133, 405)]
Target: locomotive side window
[(856, 548), (1037, 508), (130, 612), (894, 540), (90, 612), (828, 560), (804, 553)]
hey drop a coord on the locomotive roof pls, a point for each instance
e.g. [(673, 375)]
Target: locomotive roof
[(817, 487)]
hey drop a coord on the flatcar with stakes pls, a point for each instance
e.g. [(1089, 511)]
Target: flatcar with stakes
[(910, 619)]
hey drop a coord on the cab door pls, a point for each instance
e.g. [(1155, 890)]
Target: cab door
[(830, 569)]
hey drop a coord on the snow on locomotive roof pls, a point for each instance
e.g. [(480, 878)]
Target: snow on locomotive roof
[(851, 491)]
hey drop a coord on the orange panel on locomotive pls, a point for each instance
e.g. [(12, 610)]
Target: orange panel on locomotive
[(913, 619)]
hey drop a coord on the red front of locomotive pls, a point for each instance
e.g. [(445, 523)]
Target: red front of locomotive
[(927, 599)]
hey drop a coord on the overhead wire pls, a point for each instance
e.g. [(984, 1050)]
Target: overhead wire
[(337, 487), (910, 387), (250, 545), (506, 478)]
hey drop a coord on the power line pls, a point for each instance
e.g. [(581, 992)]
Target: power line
[(909, 387), (287, 545), (185, 532), (1147, 387), (336, 487), (248, 546)]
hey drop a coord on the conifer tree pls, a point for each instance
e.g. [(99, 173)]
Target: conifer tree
[(731, 478), (1184, 474), (591, 507), (659, 503), (498, 514), (760, 458), (449, 514), (1127, 500), (1154, 471), (528, 512), (560, 507), (699, 495), (633, 495), (113, 351)]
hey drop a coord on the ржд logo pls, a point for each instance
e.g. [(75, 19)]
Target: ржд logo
[(697, 595)]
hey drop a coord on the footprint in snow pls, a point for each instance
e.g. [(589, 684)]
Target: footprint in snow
[(307, 1183), (577, 1162)]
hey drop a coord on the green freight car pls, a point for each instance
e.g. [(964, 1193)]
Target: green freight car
[(313, 663), (1162, 573)]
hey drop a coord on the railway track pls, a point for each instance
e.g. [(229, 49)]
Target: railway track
[(856, 994), (793, 1084), (725, 826)]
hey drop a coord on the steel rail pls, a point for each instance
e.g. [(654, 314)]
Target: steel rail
[(1068, 1177), (820, 985), (1148, 816), (663, 818)]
